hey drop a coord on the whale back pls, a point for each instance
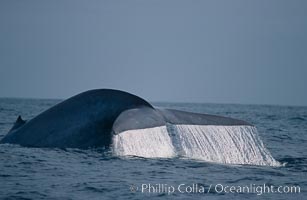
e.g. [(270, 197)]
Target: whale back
[(82, 121)]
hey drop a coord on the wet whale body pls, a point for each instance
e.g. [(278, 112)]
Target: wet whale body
[(131, 126), (90, 118), (82, 121)]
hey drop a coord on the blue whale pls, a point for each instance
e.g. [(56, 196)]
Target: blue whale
[(92, 118)]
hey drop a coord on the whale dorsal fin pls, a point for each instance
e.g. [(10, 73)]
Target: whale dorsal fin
[(18, 123)]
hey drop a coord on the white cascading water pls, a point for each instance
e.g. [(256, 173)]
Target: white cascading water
[(149, 143), (220, 144)]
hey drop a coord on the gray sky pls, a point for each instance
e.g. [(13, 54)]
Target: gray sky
[(163, 50)]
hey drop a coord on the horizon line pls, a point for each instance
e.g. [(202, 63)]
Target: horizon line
[(167, 101)]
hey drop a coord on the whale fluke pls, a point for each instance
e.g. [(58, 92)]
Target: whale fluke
[(129, 125)]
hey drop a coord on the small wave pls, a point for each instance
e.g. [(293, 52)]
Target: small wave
[(272, 117), (275, 129), (293, 160), (96, 189), (247, 179), (297, 119), (25, 195), (5, 175)]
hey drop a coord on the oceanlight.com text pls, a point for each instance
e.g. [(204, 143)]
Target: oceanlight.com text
[(169, 189)]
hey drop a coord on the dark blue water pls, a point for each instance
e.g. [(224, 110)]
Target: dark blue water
[(50, 173)]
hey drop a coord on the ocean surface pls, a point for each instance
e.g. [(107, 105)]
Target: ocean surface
[(52, 173)]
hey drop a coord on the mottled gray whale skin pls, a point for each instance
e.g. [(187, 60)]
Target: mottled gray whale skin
[(91, 118)]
